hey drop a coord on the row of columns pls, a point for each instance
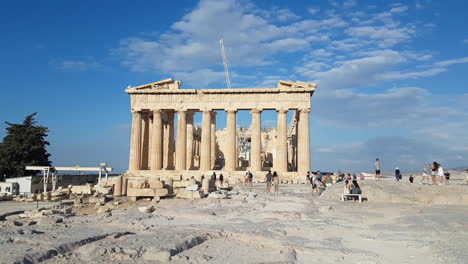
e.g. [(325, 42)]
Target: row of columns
[(162, 141)]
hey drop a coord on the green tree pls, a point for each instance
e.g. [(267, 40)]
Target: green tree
[(24, 145)]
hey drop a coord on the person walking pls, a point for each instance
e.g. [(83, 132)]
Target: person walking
[(377, 169), (275, 180), (250, 180), (268, 180), (424, 175)]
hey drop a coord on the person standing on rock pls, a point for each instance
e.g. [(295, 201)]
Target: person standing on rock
[(268, 180), (377, 169), (275, 179)]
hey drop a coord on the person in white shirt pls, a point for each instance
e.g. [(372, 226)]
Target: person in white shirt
[(440, 172), (425, 176)]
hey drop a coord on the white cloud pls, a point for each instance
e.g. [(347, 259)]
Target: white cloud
[(411, 75), (74, 65), (465, 41), (313, 11), (453, 61)]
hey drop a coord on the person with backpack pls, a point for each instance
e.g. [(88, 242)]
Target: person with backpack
[(397, 174)]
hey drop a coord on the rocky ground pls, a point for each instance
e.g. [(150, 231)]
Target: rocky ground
[(251, 227)]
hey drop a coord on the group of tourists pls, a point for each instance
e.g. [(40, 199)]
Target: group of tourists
[(351, 187), (436, 171), (272, 179)]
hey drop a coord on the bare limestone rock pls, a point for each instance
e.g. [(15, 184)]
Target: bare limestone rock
[(146, 209), (218, 195)]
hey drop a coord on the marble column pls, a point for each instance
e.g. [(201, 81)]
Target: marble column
[(135, 142), (281, 162), (231, 152), (303, 142), (256, 140), (181, 148), (168, 141), (213, 140), (156, 141), (144, 140), (190, 142), (205, 149)]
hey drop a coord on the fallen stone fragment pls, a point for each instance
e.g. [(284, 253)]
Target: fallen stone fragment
[(146, 209), (218, 195)]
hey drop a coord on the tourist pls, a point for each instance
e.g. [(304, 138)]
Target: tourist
[(328, 181), (346, 187), (354, 176), (308, 178), (316, 185), (348, 177), (434, 167), (246, 179), (397, 174), (411, 178), (268, 180), (424, 175), (440, 172), (377, 169), (275, 180), (447, 177), (356, 189), (250, 179)]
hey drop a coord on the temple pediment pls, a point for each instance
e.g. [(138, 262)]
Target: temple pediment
[(166, 84)]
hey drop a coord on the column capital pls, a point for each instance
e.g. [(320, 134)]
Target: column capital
[(178, 110), (256, 110), (282, 110), (231, 110), (136, 111), (304, 110)]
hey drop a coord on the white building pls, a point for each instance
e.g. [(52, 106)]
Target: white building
[(35, 184), (9, 188)]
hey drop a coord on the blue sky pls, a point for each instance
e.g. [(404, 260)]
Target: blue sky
[(392, 75)]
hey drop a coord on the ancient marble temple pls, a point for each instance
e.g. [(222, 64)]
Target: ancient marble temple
[(155, 150)]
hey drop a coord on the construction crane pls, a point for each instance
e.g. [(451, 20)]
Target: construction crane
[(225, 63)]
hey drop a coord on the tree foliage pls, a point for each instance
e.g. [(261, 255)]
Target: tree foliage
[(24, 145)]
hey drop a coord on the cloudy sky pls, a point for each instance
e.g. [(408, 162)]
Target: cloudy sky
[(392, 75)]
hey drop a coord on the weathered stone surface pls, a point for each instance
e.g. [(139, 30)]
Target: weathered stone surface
[(147, 192), (103, 209), (185, 194), (218, 195), (102, 190), (146, 209), (82, 189), (155, 184), (192, 187)]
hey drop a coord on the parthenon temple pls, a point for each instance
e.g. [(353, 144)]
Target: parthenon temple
[(156, 149)]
